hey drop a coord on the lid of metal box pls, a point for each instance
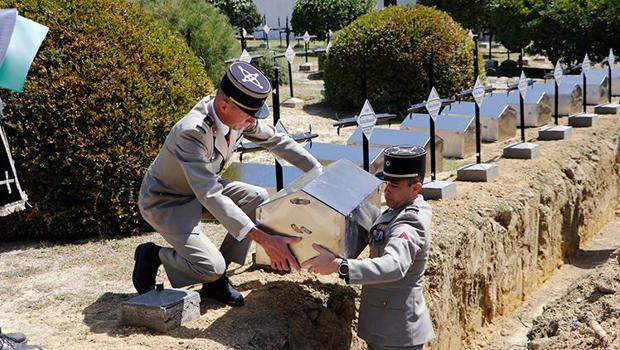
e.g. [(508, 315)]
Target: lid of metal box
[(342, 186), (391, 137), (454, 123)]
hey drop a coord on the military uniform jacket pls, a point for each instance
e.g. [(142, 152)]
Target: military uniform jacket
[(393, 311), (183, 177)]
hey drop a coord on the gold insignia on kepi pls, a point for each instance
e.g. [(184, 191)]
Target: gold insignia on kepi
[(387, 163)]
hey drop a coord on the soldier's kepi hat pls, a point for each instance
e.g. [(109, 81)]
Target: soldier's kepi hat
[(403, 162), (248, 88)]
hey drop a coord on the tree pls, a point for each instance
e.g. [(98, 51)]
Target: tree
[(567, 30), (471, 14), (510, 22), (318, 16), (241, 13)]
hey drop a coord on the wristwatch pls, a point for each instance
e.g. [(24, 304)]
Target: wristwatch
[(343, 270)]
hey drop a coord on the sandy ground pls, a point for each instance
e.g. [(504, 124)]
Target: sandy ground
[(68, 296)]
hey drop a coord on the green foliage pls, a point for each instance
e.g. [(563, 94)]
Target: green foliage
[(510, 23), (203, 27), (471, 14), (104, 90), (242, 13), (397, 41), (567, 30), (266, 64), (318, 16)]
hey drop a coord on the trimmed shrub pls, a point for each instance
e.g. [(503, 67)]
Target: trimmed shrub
[(203, 27), (104, 90), (318, 16), (397, 41), (241, 13), (266, 65)]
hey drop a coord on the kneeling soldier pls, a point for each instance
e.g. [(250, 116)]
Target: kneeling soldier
[(393, 313)]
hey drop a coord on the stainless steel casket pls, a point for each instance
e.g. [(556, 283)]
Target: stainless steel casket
[(327, 153), (335, 209), (263, 175), (382, 138), (458, 132), (537, 106), (597, 87), (498, 121), (570, 96), (615, 78)]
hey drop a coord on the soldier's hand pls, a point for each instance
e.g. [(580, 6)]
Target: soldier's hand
[(276, 247), (325, 263)]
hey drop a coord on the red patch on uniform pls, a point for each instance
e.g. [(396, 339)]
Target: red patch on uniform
[(403, 235)]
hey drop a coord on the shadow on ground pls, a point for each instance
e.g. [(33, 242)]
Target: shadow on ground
[(276, 315)]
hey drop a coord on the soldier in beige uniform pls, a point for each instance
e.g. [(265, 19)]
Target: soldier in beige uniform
[(393, 313), (182, 186)]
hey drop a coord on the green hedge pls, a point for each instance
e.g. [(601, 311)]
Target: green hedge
[(102, 93), (318, 16), (397, 41), (204, 28)]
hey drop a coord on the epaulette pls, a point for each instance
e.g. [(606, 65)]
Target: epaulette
[(209, 120)]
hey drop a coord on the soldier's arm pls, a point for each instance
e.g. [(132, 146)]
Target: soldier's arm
[(280, 144), (194, 151), (403, 244)]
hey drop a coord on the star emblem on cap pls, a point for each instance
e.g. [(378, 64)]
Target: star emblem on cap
[(250, 77), (387, 163)]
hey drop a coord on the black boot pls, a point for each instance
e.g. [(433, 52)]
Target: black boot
[(7, 343), (16, 337), (223, 291), (145, 268)]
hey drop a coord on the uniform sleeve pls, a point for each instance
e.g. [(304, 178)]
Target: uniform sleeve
[(282, 145), (194, 152), (400, 250)]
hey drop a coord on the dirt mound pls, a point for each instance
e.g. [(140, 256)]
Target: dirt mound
[(564, 325)]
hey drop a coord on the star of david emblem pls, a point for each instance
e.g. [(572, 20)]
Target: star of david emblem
[(250, 77)]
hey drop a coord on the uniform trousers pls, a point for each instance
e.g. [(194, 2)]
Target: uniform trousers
[(193, 258)]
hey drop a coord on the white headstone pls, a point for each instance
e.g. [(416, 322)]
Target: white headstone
[(289, 54), (558, 73), (585, 66), (478, 92), (433, 103), (266, 29), (245, 33), (306, 37), (611, 59), (367, 119), (245, 56), (523, 85)]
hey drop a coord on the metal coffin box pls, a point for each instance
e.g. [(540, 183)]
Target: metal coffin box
[(498, 121), (335, 209), (597, 87), (262, 175), (615, 78), (382, 137), (536, 105), (327, 153), (570, 95), (458, 132)]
